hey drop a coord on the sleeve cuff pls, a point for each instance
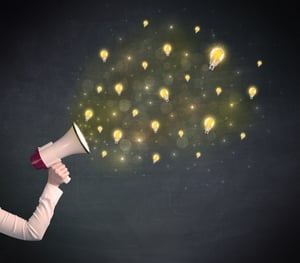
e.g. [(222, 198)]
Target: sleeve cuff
[(51, 192)]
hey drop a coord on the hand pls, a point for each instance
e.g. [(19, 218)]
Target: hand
[(58, 174)]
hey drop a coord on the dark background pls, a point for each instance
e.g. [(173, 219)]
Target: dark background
[(214, 213)]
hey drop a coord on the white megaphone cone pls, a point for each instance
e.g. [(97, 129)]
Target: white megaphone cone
[(73, 142)]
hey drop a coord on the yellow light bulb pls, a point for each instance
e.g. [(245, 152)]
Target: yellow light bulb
[(180, 133), (243, 135), (135, 112), (88, 114), (216, 56), (155, 126), (187, 77), (104, 153), (117, 135), (155, 157), (198, 154), (99, 89), (164, 93), (259, 63), (145, 23), (104, 54), (197, 29), (119, 88), (167, 49), (209, 123), (218, 90), (144, 65), (252, 91), (100, 129)]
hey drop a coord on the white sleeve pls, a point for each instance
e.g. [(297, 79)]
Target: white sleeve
[(34, 228)]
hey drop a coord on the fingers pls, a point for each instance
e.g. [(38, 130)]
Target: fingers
[(67, 179)]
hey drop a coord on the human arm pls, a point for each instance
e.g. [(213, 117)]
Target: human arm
[(35, 227)]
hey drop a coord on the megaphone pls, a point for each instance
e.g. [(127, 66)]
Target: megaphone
[(73, 142)]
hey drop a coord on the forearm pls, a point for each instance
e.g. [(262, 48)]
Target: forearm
[(35, 228)]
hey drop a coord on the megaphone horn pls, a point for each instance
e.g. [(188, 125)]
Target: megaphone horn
[(73, 142)]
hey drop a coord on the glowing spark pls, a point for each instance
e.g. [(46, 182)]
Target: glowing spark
[(144, 65), (88, 114), (104, 153), (100, 129), (209, 123), (104, 54), (117, 134), (145, 23), (198, 155), (197, 29), (155, 157), (135, 112), (259, 63), (164, 93), (187, 77), (167, 49), (252, 91), (99, 89), (180, 133), (216, 56), (218, 90), (119, 88), (242, 135), (155, 126)]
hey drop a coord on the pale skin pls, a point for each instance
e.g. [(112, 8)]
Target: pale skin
[(58, 174)]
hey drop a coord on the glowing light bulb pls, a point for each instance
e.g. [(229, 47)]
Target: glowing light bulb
[(180, 133), (198, 155), (104, 153), (197, 29), (144, 65), (155, 157), (117, 135), (187, 77), (167, 49), (104, 54), (155, 126), (100, 129), (99, 89), (252, 91), (164, 93), (88, 114), (209, 123), (259, 63), (119, 88), (135, 112), (145, 23), (218, 90), (216, 56), (243, 135)]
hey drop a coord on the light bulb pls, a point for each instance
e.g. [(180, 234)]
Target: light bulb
[(145, 23), (117, 135), (197, 29), (100, 129), (144, 65), (155, 157), (99, 89), (243, 135), (135, 112), (88, 114), (218, 90), (180, 133), (167, 49), (198, 154), (216, 56), (259, 63), (119, 88), (104, 153), (187, 77), (252, 91), (155, 126), (209, 123), (164, 93), (104, 54)]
